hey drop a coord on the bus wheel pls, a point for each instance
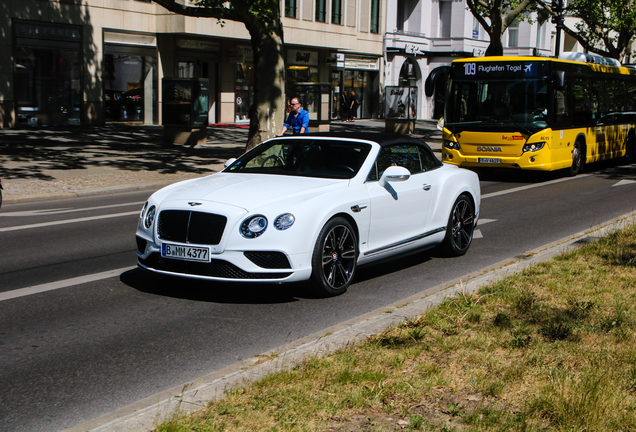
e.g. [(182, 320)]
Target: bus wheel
[(578, 159), (629, 149)]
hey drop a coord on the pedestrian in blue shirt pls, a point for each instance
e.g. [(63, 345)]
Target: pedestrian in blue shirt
[(298, 119)]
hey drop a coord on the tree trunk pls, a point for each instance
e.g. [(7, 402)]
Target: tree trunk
[(268, 109), (496, 30), (496, 47)]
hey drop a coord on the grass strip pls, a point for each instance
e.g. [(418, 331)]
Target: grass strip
[(549, 349)]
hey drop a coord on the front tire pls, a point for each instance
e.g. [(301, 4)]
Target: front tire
[(578, 159), (460, 228), (335, 258)]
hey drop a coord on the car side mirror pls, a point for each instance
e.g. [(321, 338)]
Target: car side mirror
[(229, 162), (394, 174)]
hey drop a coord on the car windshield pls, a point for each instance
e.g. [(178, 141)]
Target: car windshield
[(321, 158)]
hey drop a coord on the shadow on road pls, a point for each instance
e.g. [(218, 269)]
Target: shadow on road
[(29, 153), (215, 292)]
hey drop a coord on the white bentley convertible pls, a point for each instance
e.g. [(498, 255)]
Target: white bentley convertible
[(310, 207)]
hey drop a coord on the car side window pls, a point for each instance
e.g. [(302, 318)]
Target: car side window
[(404, 155), (429, 161)]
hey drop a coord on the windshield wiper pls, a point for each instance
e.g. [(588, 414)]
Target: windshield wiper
[(523, 128)]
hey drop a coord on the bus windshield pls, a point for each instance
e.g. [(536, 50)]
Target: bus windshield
[(498, 105)]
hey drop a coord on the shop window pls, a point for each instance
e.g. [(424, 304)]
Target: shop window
[(130, 88), (290, 8), (336, 11), (47, 86), (302, 74), (363, 83), (185, 69), (243, 91), (321, 10)]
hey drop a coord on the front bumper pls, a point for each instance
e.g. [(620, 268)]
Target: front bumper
[(539, 161), (229, 266)]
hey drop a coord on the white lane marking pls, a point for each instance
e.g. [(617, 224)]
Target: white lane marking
[(532, 186), (67, 221), (624, 182), (485, 221), (65, 210), (477, 234), (62, 284)]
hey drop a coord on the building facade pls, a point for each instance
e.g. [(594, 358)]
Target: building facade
[(91, 62), (424, 36)]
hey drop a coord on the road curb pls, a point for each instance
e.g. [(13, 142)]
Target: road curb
[(146, 414)]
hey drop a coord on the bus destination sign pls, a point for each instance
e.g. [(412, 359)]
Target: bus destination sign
[(513, 69)]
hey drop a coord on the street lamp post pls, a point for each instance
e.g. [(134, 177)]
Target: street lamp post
[(557, 6)]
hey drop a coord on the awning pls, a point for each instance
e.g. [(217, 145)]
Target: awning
[(437, 73)]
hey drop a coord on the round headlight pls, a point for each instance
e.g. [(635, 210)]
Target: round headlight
[(143, 210), (150, 216), (284, 221), (254, 226)]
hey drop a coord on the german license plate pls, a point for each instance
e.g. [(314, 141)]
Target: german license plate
[(489, 160), (189, 253)]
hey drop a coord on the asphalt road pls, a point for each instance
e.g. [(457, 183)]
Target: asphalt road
[(79, 348)]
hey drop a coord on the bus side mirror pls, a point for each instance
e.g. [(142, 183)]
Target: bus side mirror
[(559, 80)]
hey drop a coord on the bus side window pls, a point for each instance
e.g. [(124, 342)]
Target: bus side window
[(583, 104), (561, 111)]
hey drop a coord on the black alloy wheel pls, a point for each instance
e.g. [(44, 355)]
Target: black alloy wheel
[(460, 228), (335, 258)]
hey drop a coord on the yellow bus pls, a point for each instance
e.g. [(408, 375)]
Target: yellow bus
[(537, 113)]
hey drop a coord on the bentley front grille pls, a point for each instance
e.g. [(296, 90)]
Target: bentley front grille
[(184, 226)]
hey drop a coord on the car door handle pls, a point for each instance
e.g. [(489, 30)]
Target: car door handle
[(426, 187)]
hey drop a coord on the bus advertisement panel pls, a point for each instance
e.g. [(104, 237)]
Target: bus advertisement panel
[(537, 113)]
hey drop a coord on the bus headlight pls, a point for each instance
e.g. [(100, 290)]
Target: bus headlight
[(533, 147), (451, 145)]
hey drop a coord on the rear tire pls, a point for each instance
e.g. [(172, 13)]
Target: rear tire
[(460, 228), (335, 258), (629, 150), (578, 159)]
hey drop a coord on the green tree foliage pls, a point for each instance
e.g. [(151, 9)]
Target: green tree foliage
[(262, 21), (495, 16), (606, 27)]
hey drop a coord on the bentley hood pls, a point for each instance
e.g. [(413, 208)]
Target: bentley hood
[(248, 191)]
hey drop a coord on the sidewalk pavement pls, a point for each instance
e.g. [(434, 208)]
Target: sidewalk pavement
[(48, 164)]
